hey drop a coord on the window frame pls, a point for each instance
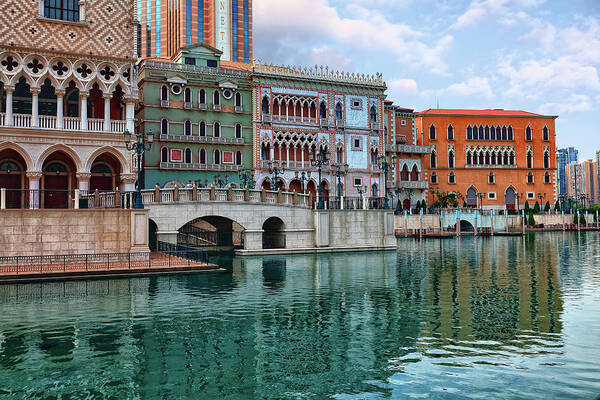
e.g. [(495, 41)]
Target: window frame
[(74, 13)]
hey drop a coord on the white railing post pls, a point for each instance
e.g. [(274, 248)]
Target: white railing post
[(76, 205), (341, 202), (2, 198)]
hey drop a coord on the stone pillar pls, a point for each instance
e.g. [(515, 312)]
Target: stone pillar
[(492, 221), (60, 96), (253, 239), (83, 181), (271, 153), (34, 188), (81, 10), (35, 114), (2, 198), (83, 111), (129, 115), (9, 105), (128, 182), (107, 97)]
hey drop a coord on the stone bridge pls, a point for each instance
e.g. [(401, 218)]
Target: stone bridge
[(266, 219)]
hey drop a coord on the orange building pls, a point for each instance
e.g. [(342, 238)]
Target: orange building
[(493, 159)]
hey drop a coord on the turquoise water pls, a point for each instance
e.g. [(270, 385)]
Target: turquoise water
[(503, 318)]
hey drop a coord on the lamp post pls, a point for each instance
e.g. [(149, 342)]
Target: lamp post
[(319, 160), (340, 170), (398, 204), (141, 145), (303, 177), (220, 182), (385, 165), (481, 196), (276, 170), (541, 197), (247, 177)]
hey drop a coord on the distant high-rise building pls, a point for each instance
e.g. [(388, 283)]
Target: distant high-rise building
[(165, 26), (589, 172), (563, 158)]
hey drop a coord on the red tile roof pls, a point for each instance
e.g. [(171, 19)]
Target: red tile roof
[(489, 112)]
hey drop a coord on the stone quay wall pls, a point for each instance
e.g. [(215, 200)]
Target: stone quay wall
[(52, 232)]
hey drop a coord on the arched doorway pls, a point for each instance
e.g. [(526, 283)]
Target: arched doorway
[(211, 231), (105, 170), (273, 236), (406, 204), (266, 185), (471, 197), (295, 186), (152, 237), (509, 199), (12, 177), (325, 190), (58, 180), (466, 226)]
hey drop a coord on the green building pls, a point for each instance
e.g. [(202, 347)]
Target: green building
[(200, 111)]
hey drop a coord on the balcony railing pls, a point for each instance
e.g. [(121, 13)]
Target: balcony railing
[(407, 148), (203, 106), (187, 105), (239, 109), (216, 107), (69, 123), (294, 119), (201, 167), (201, 139), (489, 166), (164, 103), (408, 184)]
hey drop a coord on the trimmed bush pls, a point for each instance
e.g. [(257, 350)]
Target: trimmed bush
[(547, 207), (536, 208), (582, 219), (575, 219), (557, 206), (531, 220), (527, 209)]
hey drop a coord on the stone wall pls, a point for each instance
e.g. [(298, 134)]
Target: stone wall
[(359, 228), (47, 232)]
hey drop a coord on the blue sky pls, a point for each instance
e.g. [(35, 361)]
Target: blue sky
[(537, 55)]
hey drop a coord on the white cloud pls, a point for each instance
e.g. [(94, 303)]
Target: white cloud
[(327, 56), (399, 89), (478, 86), (572, 103), (293, 24), (508, 12)]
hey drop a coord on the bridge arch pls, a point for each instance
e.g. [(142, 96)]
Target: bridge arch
[(211, 231), (273, 236)]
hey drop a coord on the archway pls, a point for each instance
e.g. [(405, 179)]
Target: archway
[(58, 180), (266, 184), (509, 199), (471, 198), (466, 226), (12, 177), (152, 238), (406, 204), (295, 186), (105, 170), (273, 234), (325, 190), (211, 231)]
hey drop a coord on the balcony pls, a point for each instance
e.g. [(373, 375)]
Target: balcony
[(69, 123), (200, 167), (292, 165), (420, 185), (216, 107), (407, 148), (239, 109), (266, 118), (164, 103), (485, 166), (324, 122), (200, 139), (294, 119), (203, 106), (187, 105), (339, 123)]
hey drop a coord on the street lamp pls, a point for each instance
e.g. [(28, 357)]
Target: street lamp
[(303, 177), (276, 170), (247, 176), (141, 145), (220, 182), (541, 197), (340, 170), (481, 197), (385, 165), (319, 160)]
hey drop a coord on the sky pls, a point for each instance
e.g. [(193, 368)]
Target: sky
[(540, 56)]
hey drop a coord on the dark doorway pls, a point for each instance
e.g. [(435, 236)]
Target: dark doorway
[(273, 234)]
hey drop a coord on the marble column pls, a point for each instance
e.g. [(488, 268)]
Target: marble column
[(60, 96), (34, 188), (83, 111), (128, 182), (9, 105), (107, 97), (35, 106), (130, 115), (83, 181)]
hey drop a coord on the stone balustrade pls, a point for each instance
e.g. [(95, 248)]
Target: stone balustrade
[(69, 123)]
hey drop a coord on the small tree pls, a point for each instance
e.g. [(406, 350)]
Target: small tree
[(531, 220), (527, 209), (536, 207), (582, 219), (464, 204), (547, 207), (557, 206), (575, 219)]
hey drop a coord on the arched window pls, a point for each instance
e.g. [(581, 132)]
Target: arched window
[(451, 178), (481, 133), (506, 158), (528, 133), (512, 159), (493, 160), (475, 158), (433, 178), (487, 132), (339, 156), (202, 129), (546, 177), (510, 133), (546, 160), (202, 156), (238, 131), (265, 105), (545, 134), (323, 110), (187, 95), (374, 190), (432, 132), (238, 158), (498, 132), (188, 156), (404, 173), (491, 178), (504, 133), (217, 130), (164, 93), (468, 158), (338, 111), (164, 155), (451, 159), (450, 132), (414, 174), (373, 114), (469, 133), (529, 160), (188, 128), (487, 158), (492, 132), (529, 177), (481, 158), (216, 98), (217, 157), (238, 99), (433, 160), (202, 97), (164, 127)]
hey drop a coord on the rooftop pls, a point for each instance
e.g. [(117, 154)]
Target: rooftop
[(495, 112)]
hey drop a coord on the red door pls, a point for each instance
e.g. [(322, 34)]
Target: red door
[(55, 191), (12, 183)]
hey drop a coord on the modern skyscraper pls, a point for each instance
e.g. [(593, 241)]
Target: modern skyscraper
[(563, 158), (165, 26)]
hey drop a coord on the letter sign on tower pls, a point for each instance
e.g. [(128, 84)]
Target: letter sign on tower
[(222, 27)]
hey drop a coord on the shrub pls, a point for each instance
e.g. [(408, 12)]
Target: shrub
[(527, 209), (575, 219), (536, 207), (547, 207), (557, 206), (582, 219), (531, 220)]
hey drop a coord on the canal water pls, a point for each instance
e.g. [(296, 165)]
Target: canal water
[(501, 318)]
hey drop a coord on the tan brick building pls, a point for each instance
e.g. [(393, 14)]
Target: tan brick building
[(66, 96), (493, 158)]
